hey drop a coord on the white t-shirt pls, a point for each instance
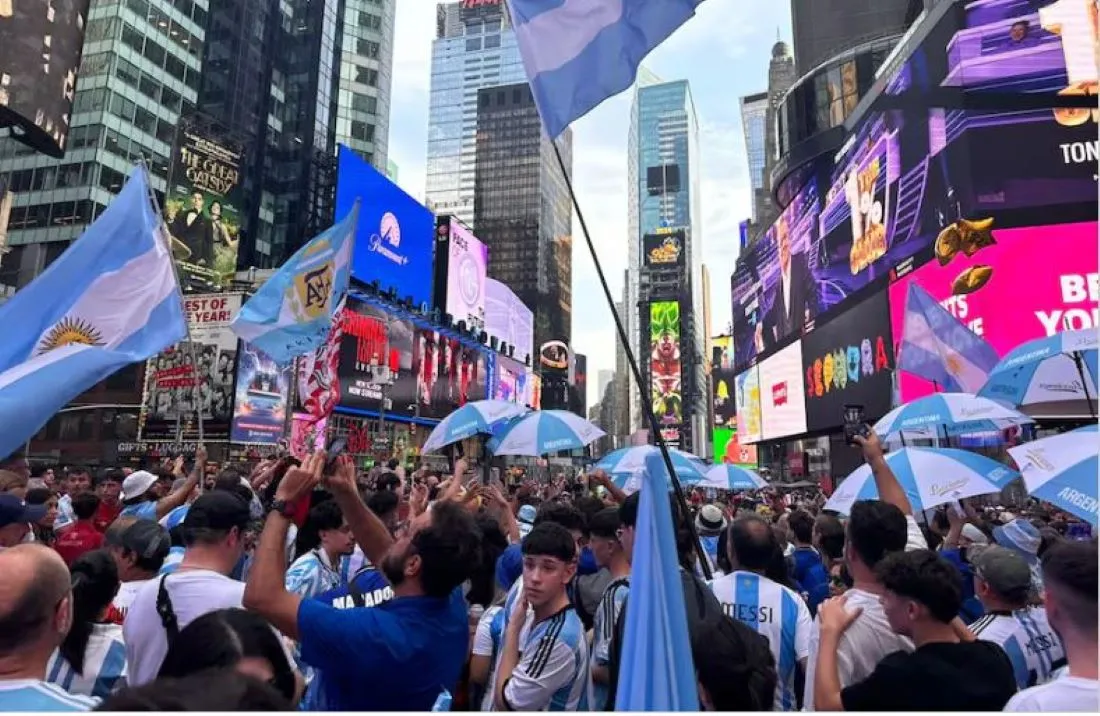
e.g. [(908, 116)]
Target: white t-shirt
[(193, 592), (1069, 693), (486, 643), (104, 665), (126, 593)]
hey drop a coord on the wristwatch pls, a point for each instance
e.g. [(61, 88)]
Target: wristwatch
[(282, 507)]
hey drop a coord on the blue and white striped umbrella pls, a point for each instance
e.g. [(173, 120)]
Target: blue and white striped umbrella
[(544, 432), (627, 461), (732, 477), (956, 412), (929, 476), (1062, 470), (1046, 370), (478, 417)]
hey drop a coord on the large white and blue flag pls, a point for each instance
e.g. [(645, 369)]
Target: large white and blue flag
[(292, 312), (937, 346), (577, 53), (110, 300)]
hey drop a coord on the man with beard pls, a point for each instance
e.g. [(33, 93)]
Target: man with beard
[(402, 654)]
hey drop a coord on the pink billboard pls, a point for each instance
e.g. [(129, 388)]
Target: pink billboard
[(1030, 283)]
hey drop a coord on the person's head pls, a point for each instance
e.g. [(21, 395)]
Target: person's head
[(35, 604), (604, 528), (839, 579), (734, 668), (232, 640), (17, 463), (828, 537), (85, 505), (549, 563), (13, 483), (215, 524), (875, 529), (710, 521), (80, 480), (783, 242), (197, 201), (568, 517), (1002, 578), (333, 533), (1019, 30), (43, 496), (109, 485), (920, 588), (752, 544), (139, 487), (141, 549), (385, 504), (44, 473), (390, 481), (628, 517), (1069, 580), (95, 584), (212, 690), (801, 528), (215, 210), (437, 552), (16, 518)]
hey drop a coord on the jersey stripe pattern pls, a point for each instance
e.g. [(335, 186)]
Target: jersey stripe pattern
[(1027, 638), (32, 695), (104, 665)]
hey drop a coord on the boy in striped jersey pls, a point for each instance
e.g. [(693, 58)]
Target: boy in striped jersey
[(612, 540), (772, 609), (543, 662), (1002, 581)]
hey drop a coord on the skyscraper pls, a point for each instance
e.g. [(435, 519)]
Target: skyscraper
[(824, 28), (362, 88), (781, 75), (522, 209), (474, 48), (754, 110)]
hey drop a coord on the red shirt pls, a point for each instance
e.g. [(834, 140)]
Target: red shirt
[(80, 538), (105, 514)]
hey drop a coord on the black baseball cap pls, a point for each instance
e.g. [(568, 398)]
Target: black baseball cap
[(14, 510), (218, 510), (147, 539)]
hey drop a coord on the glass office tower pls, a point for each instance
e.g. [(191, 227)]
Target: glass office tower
[(754, 110)]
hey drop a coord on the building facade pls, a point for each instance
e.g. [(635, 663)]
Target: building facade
[(474, 48), (824, 28), (522, 210), (781, 75), (754, 110)]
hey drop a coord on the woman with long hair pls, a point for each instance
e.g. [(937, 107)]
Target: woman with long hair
[(91, 661)]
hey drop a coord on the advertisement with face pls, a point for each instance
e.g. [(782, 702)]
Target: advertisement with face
[(747, 396), (376, 361), (722, 377), (664, 362), (466, 267), (1025, 284), (194, 375), (849, 361), (259, 411), (449, 374), (782, 394), (728, 450), (509, 319)]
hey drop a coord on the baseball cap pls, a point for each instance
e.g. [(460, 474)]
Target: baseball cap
[(1005, 570), (137, 484), (14, 510), (147, 539), (217, 510), (974, 535), (710, 519)]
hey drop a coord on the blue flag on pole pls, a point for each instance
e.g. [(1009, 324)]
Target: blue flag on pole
[(656, 671), (937, 346), (577, 53), (110, 300), (292, 312)]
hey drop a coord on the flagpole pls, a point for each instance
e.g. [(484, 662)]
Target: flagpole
[(647, 402)]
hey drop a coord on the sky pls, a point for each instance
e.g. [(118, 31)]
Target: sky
[(723, 52)]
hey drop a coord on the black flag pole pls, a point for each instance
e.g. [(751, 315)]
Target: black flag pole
[(647, 402)]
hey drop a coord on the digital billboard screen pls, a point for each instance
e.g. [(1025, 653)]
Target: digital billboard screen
[(259, 411), (664, 363), (463, 267), (722, 377), (394, 235), (512, 383), (509, 319), (1030, 283), (728, 450), (782, 394), (746, 393), (40, 47), (376, 361), (849, 361), (449, 373), (664, 250)]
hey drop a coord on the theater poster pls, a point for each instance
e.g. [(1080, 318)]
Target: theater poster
[(260, 405)]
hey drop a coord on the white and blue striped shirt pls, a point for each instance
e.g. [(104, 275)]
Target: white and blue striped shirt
[(1027, 638), (312, 574), (779, 614), (104, 665), (34, 695)]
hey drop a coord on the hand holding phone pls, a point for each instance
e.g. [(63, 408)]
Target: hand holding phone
[(335, 449), (855, 423)]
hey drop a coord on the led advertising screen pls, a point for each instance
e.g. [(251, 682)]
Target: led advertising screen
[(40, 47), (259, 411), (461, 264), (746, 393), (512, 382), (394, 236), (722, 377), (202, 209), (728, 450), (664, 249), (782, 394), (376, 361), (1027, 284), (509, 319), (449, 374), (664, 363), (849, 361)]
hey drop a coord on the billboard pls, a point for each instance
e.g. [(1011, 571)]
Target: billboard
[(509, 319), (728, 450), (555, 357), (782, 394), (194, 374), (449, 373), (664, 249), (849, 360), (722, 379), (376, 361), (479, 9), (393, 239), (580, 384), (263, 387), (202, 209), (40, 46), (512, 381), (746, 394), (664, 363), (1030, 283), (461, 265)]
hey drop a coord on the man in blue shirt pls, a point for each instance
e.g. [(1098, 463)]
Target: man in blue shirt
[(402, 654)]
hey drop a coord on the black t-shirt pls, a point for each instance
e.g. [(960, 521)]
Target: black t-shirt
[(969, 676)]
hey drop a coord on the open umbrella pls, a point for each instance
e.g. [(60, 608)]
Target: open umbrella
[(929, 476), (627, 461), (543, 432), (630, 482), (1056, 369), (1061, 470), (731, 477), (954, 412), (478, 417)]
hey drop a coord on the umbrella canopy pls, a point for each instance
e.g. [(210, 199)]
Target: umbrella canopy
[(731, 477), (478, 417), (632, 459), (1057, 369), (1062, 470), (929, 476), (630, 482), (955, 412), (543, 432)]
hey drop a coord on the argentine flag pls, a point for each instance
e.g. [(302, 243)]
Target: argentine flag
[(292, 312), (110, 300)]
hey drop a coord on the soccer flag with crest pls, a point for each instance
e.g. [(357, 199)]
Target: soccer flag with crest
[(292, 312)]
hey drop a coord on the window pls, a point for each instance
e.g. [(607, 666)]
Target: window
[(492, 41), (366, 76), (175, 67), (145, 120), (149, 87), (128, 73), (362, 131), (154, 53), (473, 44), (362, 103), (132, 38), (111, 180)]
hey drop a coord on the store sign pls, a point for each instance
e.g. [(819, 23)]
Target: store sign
[(782, 394)]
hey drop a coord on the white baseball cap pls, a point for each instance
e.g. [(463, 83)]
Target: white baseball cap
[(137, 484)]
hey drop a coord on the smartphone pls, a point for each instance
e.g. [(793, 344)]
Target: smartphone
[(335, 449), (855, 423)]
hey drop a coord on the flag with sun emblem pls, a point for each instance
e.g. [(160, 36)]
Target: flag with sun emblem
[(291, 313), (110, 300)]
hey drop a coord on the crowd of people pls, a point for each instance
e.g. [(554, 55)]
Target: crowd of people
[(310, 584)]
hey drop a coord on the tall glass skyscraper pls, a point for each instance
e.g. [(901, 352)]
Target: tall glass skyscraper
[(474, 48), (362, 91), (754, 110)]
